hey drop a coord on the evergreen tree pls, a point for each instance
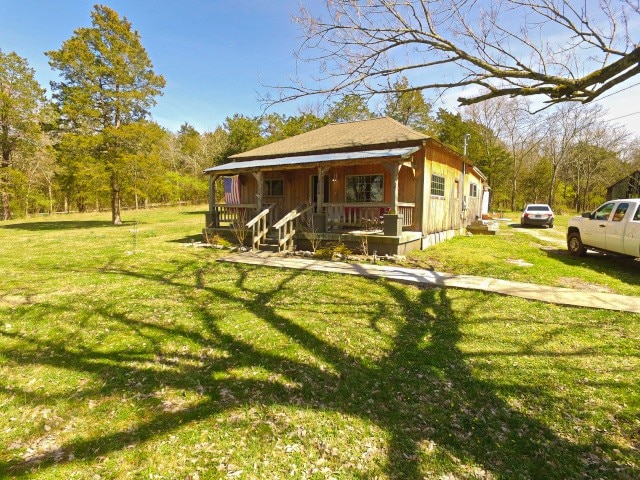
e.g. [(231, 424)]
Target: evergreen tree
[(349, 108), (278, 127), (83, 180), (408, 107), (244, 133), (190, 149), (107, 84), (484, 149)]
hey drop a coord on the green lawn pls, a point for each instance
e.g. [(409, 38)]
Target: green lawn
[(125, 352), (544, 253)]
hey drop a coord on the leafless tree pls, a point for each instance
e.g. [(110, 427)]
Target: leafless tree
[(595, 162), (521, 132), (561, 49), (308, 226), (567, 126)]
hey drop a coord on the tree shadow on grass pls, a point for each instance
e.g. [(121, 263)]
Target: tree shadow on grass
[(625, 269), (422, 392), (63, 225), (189, 239), (194, 212)]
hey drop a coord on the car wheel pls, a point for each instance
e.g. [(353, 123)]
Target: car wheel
[(551, 225), (575, 245)]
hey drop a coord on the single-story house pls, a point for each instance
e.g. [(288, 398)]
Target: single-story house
[(628, 187), (400, 189)]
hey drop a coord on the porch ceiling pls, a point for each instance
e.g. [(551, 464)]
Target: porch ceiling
[(295, 161)]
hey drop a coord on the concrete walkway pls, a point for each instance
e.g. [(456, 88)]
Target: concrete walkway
[(543, 293)]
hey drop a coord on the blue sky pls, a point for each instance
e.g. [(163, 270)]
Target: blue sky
[(215, 55)]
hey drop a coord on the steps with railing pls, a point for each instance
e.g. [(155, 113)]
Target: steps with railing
[(286, 226), (276, 237), (259, 226)]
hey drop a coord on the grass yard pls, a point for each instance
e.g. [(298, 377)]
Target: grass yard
[(127, 353), (544, 253)]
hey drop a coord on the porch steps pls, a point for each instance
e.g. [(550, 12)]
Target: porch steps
[(270, 243), (269, 247)]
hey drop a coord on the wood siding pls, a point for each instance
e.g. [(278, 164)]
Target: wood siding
[(432, 214), (297, 185), (628, 187), (445, 213)]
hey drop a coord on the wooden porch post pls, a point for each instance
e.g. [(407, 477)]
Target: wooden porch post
[(213, 214), (320, 190), (394, 169), (212, 191), (259, 188)]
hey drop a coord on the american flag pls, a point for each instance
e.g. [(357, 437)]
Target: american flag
[(232, 190)]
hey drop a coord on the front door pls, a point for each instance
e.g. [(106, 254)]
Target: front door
[(314, 189)]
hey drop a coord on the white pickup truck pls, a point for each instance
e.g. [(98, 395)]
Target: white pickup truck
[(612, 227)]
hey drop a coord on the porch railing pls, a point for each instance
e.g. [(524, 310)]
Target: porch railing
[(286, 226), (224, 215), (364, 215), (406, 210), (259, 226)]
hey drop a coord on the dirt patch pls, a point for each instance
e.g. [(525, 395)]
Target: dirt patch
[(579, 284), (556, 237), (518, 262)]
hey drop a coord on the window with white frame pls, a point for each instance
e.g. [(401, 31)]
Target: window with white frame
[(365, 188), (473, 190), (274, 187), (437, 185)]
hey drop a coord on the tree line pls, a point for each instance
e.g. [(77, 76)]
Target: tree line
[(93, 146)]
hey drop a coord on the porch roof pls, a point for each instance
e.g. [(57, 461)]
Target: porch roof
[(309, 160)]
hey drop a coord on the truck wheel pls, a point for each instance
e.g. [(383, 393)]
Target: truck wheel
[(575, 245)]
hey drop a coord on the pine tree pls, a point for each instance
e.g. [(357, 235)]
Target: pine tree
[(107, 84), (408, 107)]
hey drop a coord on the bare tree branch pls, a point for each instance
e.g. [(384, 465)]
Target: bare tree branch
[(564, 50)]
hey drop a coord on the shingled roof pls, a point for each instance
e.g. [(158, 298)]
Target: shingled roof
[(344, 137)]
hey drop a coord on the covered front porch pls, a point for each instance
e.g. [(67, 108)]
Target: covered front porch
[(348, 224), (337, 216), (359, 196)]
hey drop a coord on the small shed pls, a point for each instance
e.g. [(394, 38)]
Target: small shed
[(628, 187)]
